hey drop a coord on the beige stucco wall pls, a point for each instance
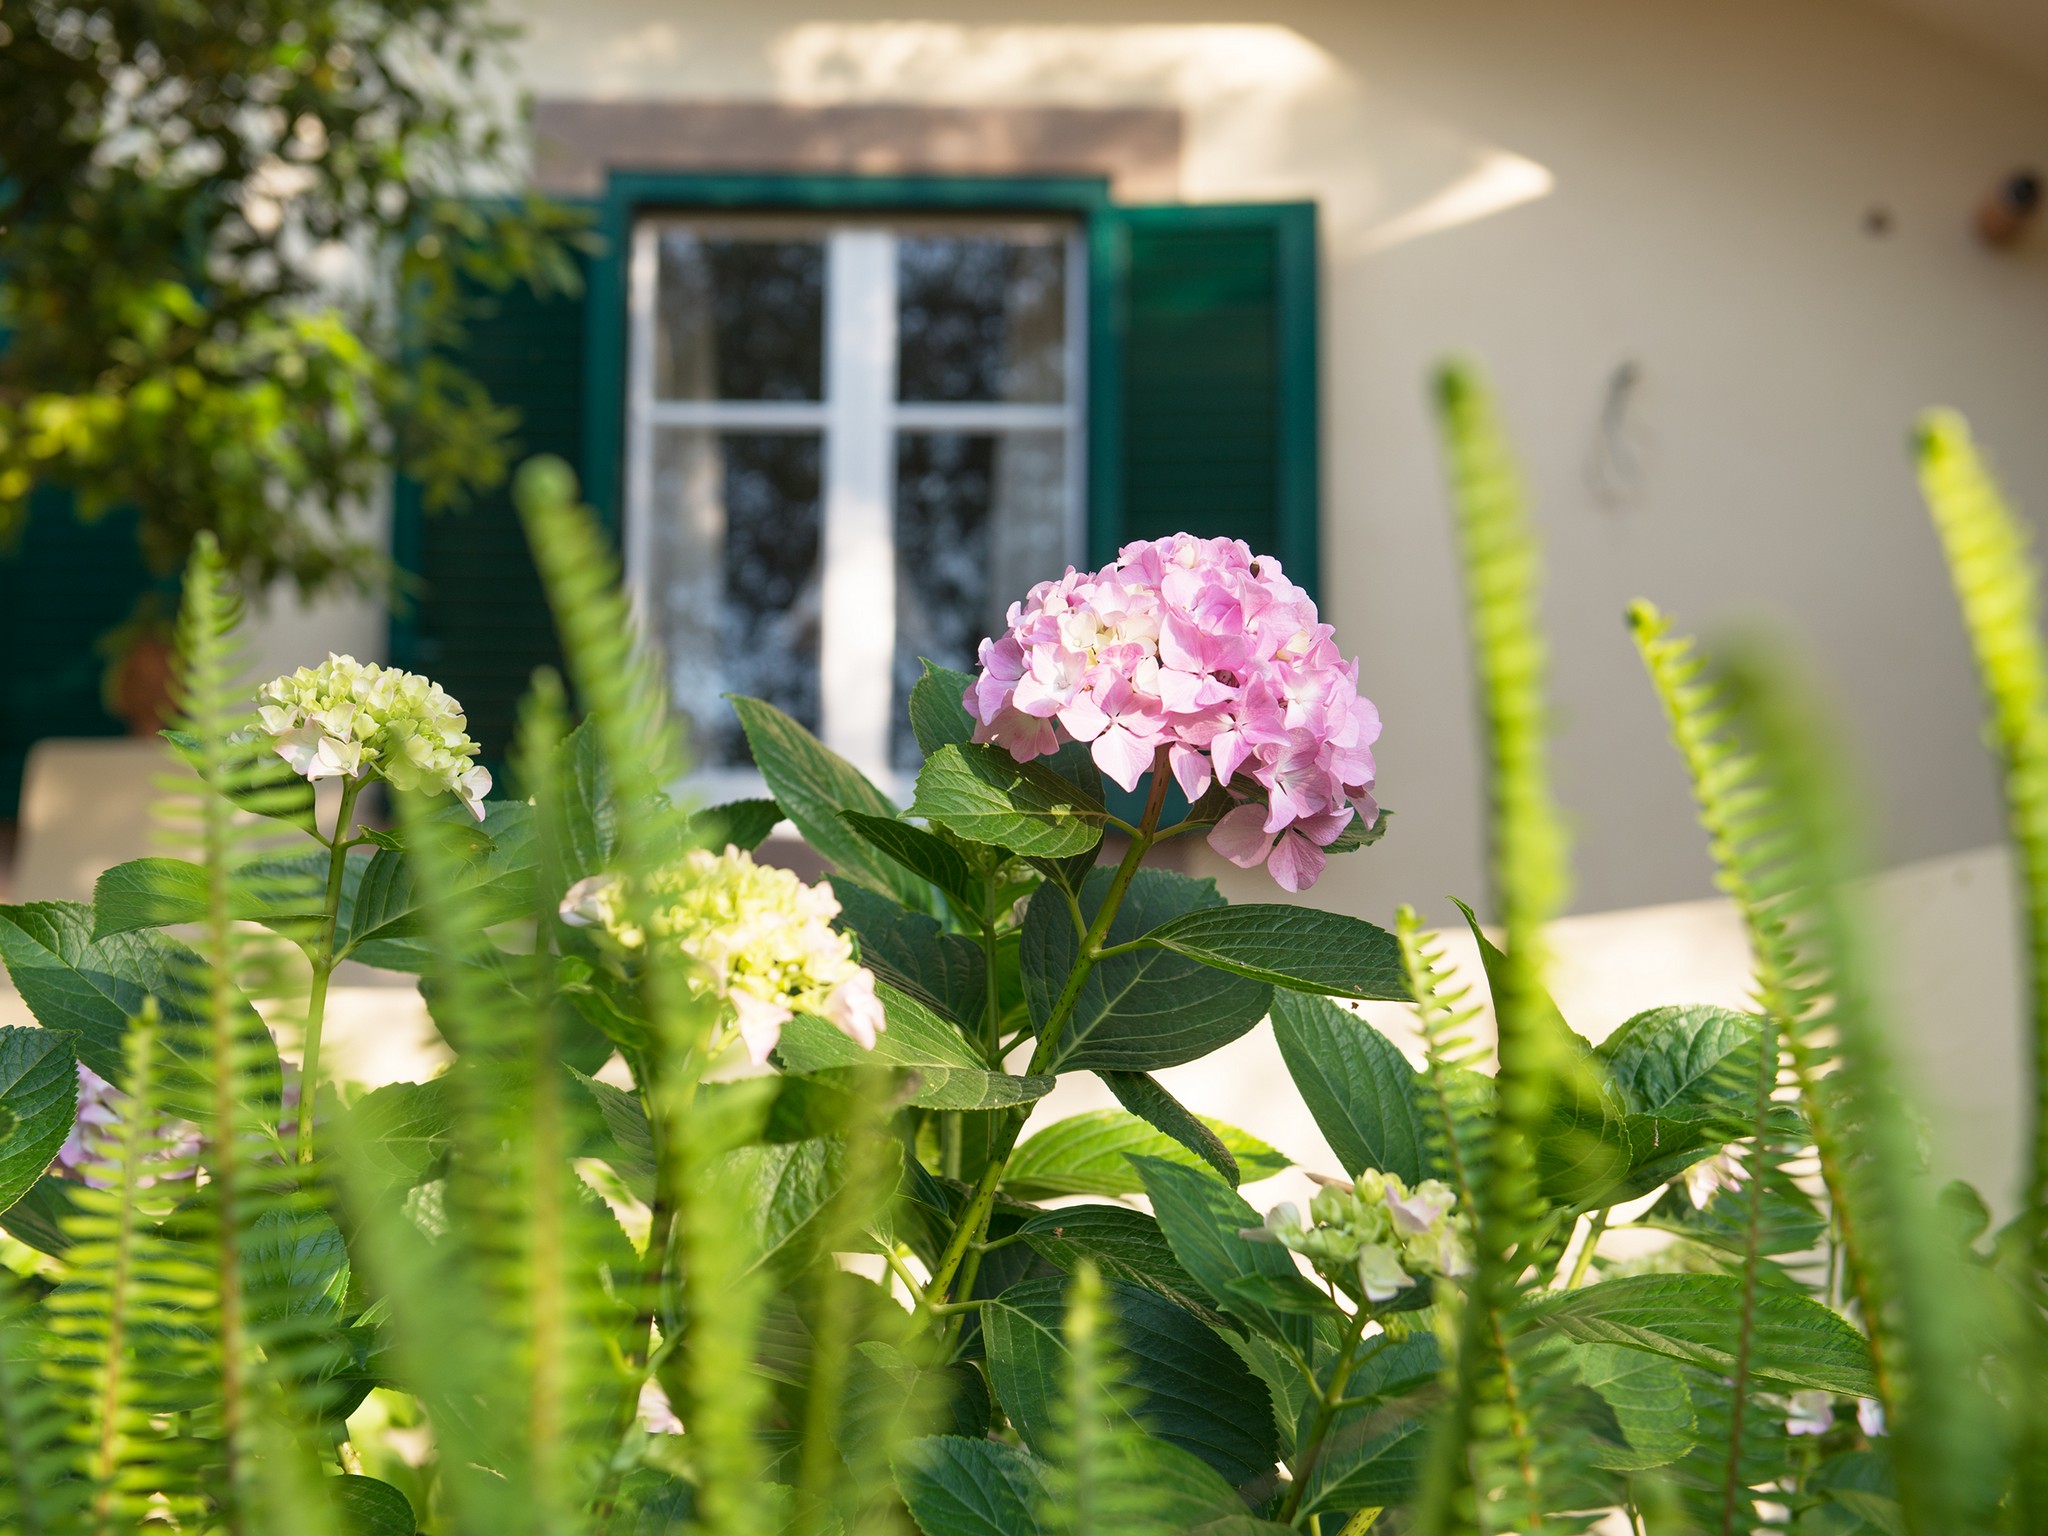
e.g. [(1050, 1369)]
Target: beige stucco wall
[(1558, 187)]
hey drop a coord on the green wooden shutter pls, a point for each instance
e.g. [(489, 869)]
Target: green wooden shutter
[(1202, 411), (63, 586), (477, 621)]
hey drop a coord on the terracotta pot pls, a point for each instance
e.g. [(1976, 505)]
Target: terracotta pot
[(139, 692)]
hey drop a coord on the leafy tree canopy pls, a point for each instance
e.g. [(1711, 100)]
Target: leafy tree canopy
[(236, 237)]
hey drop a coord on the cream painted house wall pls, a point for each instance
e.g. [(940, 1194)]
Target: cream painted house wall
[(1559, 187)]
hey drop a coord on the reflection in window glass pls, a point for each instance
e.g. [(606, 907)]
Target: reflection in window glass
[(735, 573), (979, 518), (981, 317), (739, 319)]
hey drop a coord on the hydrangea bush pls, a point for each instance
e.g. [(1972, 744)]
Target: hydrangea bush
[(740, 1208)]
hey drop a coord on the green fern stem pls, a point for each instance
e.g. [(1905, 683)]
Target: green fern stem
[(1732, 1485), (137, 1139), (323, 963), (1997, 586), (972, 1227), (1326, 1412)]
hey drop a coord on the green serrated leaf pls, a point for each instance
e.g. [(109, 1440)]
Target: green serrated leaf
[(960, 1487), (1366, 1099), (1650, 1403), (1202, 1217), (363, 1506), (985, 796), (38, 1102), (1143, 1096), (947, 1071), (813, 784), (1186, 1386), (495, 881), (90, 988), (913, 953), (1146, 1009), (925, 856), (1294, 947), (1089, 1154), (1124, 1245), (159, 892), (1797, 1342), (937, 717), (742, 824)]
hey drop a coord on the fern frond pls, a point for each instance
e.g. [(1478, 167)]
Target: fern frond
[(1771, 802), (701, 1272), (278, 1263), (38, 1494), (1997, 583), (123, 1348), (1488, 1469), (1452, 1056)]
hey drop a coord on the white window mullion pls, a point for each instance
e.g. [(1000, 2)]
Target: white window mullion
[(640, 342), (857, 643)]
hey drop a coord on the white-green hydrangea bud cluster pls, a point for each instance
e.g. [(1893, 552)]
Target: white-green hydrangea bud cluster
[(1376, 1237), (756, 937), (347, 719)]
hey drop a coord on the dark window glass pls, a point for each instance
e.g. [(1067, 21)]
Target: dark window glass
[(739, 319), (980, 517), (981, 317), (736, 578)]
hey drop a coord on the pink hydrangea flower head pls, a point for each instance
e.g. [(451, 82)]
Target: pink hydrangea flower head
[(1199, 649)]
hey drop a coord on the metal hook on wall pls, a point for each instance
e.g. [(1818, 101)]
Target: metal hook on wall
[(1614, 465)]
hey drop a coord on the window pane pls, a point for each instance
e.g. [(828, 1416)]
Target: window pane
[(739, 319), (735, 579), (979, 519), (982, 317)]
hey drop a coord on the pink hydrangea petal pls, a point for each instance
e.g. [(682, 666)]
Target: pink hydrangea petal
[(1241, 836), (1296, 863), (1119, 753), (1083, 719), (1190, 771)]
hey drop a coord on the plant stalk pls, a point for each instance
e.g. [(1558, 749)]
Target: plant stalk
[(323, 963), (1326, 1413), (1594, 1227), (973, 1224)]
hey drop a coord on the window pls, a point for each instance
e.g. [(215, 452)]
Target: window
[(849, 444)]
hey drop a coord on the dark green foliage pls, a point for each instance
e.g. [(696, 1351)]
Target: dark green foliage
[(202, 368)]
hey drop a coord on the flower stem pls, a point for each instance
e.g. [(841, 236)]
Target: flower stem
[(973, 1224), (1326, 1413), (323, 963), (1594, 1228)]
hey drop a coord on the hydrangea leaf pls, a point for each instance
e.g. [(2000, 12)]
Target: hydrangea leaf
[(1185, 1385), (959, 1487), (983, 795), (363, 1506), (38, 1101), (1202, 1217), (161, 892), (1366, 1099), (1148, 1008), (1143, 1096), (813, 784), (1797, 1342), (1294, 947), (925, 856), (1090, 1154), (90, 988), (948, 1073), (741, 824), (912, 953), (1125, 1245), (937, 717)]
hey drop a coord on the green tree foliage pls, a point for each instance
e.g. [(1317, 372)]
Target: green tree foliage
[(235, 237)]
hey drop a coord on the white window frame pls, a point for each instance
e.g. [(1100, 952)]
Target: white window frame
[(859, 419)]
